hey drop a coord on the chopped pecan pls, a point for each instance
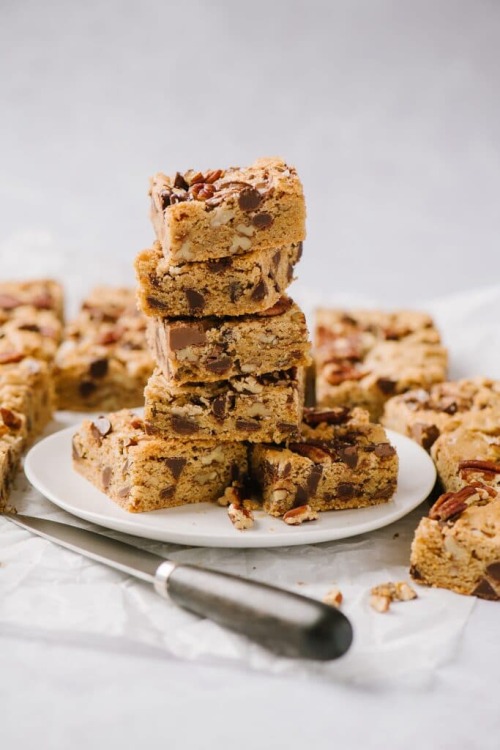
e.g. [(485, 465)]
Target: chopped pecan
[(451, 504), (313, 452), (300, 514), (314, 416), (338, 373), (334, 597), (240, 517), (489, 467)]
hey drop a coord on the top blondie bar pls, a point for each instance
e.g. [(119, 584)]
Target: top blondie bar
[(202, 216)]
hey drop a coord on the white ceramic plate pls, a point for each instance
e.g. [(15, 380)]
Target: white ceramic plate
[(48, 467)]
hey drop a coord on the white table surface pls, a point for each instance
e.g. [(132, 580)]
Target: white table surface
[(391, 112)]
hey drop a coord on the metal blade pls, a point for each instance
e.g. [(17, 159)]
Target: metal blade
[(136, 562)]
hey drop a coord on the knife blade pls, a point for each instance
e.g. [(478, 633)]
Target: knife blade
[(281, 621)]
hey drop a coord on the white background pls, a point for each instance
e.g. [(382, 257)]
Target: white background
[(390, 111)]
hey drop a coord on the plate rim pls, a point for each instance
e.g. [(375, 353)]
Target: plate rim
[(309, 534)]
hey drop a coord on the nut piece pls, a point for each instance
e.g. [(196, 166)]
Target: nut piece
[(240, 517), (394, 592), (334, 597), (380, 603), (298, 515)]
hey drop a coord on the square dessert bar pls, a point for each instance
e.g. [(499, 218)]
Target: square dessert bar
[(363, 357), (26, 388), (423, 415), (340, 460), (143, 472), (457, 546), (210, 349), (471, 453), (10, 457), (30, 319), (104, 362), (199, 216), (241, 285), (257, 408)]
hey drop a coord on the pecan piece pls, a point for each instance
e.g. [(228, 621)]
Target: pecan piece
[(312, 452), (333, 597), (451, 504), (298, 515), (336, 374), (488, 467), (314, 416), (240, 517)]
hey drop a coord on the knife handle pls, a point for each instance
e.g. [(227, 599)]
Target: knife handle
[(283, 622)]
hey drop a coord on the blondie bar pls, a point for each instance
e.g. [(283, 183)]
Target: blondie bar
[(364, 357), (41, 294), (210, 349), (257, 408), (457, 546), (202, 216), (471, 453), (340, 460), (27, 388), (104, 362), (143, 472), (231, 286), (423, 415)]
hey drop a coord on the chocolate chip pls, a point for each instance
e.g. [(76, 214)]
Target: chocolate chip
[(425, 434), (382, 450), (301, 496), (247, 425), (180, 182), (176, 465), (86, 388), (260, 291), (314, 416), (98, 368), (102, 426), (182, 336), (484, 590), (183, 425), (262, 221), (345, 490), (219, 265), (156, 303), (167, 492), (349, 456), (196, 300), (235, 291), (289, 273), (313, 478), (286, 470), (107, 473), (218, 365), (386, 492), (416, 574), (386, 385), (249, 199), (493, 570), (219, 407), (8, 302)]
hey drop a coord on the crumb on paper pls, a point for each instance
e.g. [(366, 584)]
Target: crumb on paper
[(333, 597), (382, 595)]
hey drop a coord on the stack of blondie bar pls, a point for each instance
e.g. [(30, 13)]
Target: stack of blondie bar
[(31, 315), (230, 346)]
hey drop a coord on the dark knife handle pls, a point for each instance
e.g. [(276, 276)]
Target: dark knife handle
[(283, 622)]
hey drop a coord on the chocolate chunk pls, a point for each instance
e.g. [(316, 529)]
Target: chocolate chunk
[(102, 426), (484, 590), (180, 182), (425, 434), (287, 427), (386, 385), (262, 221), (301, 497), (286, 470), (249, 199), (219, 365), (10, 419), (416, 574), (165, 196), (156, 303), (182, 336), (382, 450), (384, 493), (313, 478), (235, 472), (106, 475), (219, 407), (235, 291), (176, 465), (167, 492), (289, 273), (345, 490), (8, 302), (247, 425), (98, 368), (183, 425), (260, 291), (276, 259), (493, 570), (300, 250), (219, 265), (196, 300), (86, 388), (349, 456), (124, 492)]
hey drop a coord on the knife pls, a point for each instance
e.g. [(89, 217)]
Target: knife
[(283, 622)]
